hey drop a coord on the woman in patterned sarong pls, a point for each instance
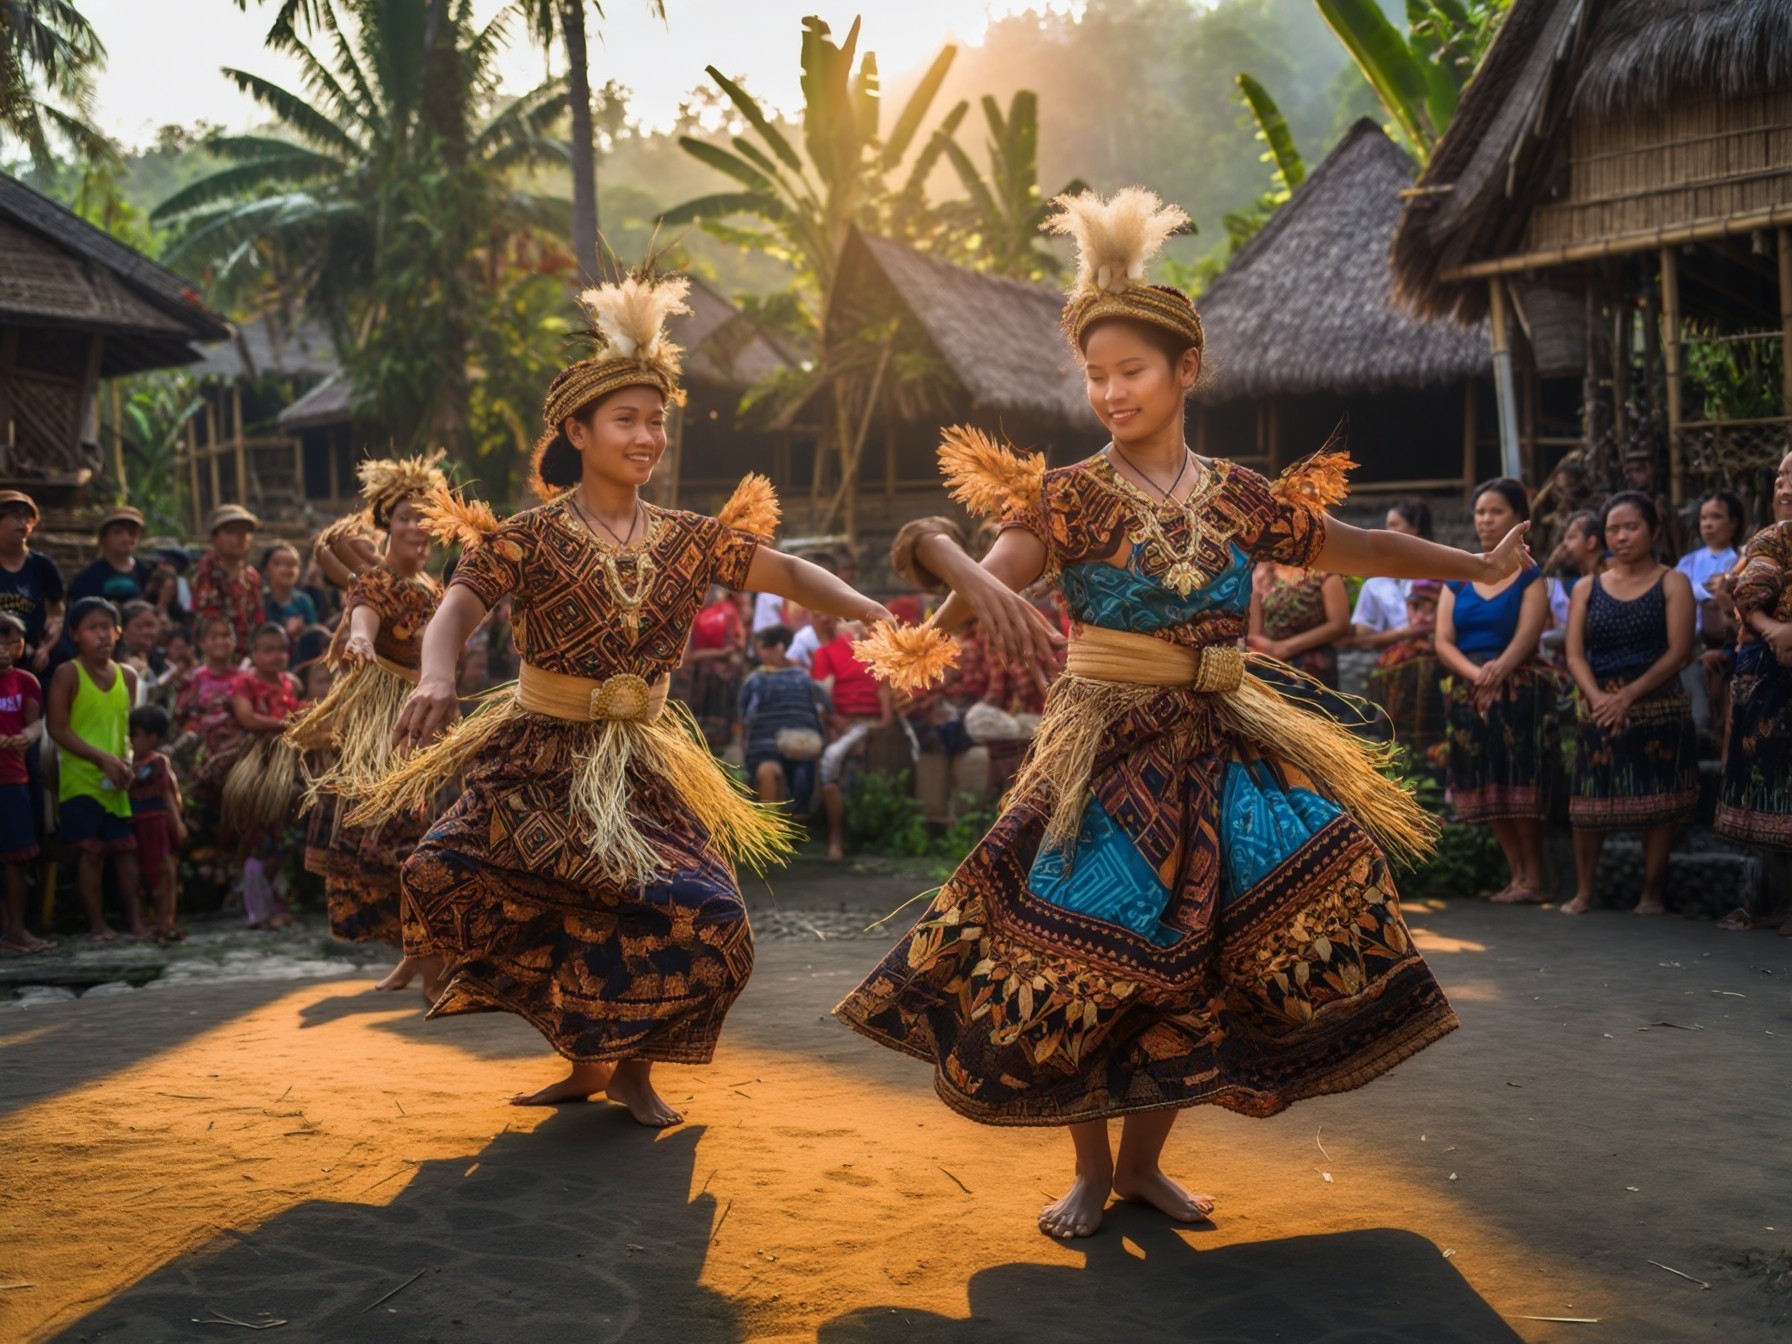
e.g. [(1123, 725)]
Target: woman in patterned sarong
[(1186, 899), (585, 878), (376, 654)]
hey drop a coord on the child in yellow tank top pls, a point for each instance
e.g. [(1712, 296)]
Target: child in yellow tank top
[(89, 715)]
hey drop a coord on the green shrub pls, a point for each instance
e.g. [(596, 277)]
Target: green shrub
[(883, 816)]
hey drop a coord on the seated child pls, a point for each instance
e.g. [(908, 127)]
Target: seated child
[(21, 724), (89, 714), (781, 709), (156, 815)]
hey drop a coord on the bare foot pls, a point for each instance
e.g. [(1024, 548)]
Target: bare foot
[(1079, 1212), (1518, 894), (1579, 905), (1503, 894), (836, 853), (399, 976), (102, 935), (632, 1086), (1650, 905), (1167, 1196), (579, 1084)]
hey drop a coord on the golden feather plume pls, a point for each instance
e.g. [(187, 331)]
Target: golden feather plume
[(350, 525), (1317, 482), (753, 507), (391, 479), (632, 316), (986, 477), (907, 657), (455, 520), (1115, 238)]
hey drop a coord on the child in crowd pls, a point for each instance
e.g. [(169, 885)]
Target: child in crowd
[(284, 603), (781, 709), (138, 641), (21, 724), (314, 679), (202, 711), (224, 582), (178, 660), (89, 713), (156, 815), (261, 700)]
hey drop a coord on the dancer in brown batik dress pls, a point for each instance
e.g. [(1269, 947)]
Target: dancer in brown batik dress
[(585, 878), (376, 654), (1186, 899)]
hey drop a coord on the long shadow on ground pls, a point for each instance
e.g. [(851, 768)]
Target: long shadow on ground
[(595, 1257), (1141, 1280)]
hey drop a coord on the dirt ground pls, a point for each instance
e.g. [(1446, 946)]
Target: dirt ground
[(316, 1159)]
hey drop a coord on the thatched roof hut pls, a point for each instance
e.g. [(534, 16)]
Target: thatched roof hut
[(1631, 158), (77, 306), (1303, 329)]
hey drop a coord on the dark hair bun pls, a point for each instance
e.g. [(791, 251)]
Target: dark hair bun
[(557, 464)]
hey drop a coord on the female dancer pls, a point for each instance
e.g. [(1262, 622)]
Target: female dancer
[(1183, 902), (379, 645), (585, 880), (1755, 801), (1503, 762), (1629, 634)]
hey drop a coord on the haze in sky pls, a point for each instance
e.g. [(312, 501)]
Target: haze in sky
[(165, 55)]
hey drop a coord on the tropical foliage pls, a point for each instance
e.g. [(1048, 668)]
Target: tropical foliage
[(49, 55), (381, 200)]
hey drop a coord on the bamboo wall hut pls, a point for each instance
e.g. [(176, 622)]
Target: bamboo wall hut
[(1303, 332), (76, 307), (923, 343), (236, 449), (1632, 161)]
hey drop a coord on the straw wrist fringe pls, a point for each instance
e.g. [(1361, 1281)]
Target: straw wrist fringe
[(258, 792), (907, 658), (611, 760)]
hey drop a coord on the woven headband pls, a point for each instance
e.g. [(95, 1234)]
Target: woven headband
[(1159, 305), (590, 379)]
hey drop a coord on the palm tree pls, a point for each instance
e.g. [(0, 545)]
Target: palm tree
[(371, 202), (998, 226), (563, 21), (48, 51)]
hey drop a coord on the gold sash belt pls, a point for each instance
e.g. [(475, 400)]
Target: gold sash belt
[(410, 674), (582, 699), (1141, 660)]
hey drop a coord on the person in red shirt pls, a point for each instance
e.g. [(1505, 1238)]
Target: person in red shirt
[(21, 724), (861, 703), (224, 582), (713, 665)]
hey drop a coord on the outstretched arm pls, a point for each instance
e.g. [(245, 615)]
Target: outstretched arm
[(1018, 631), (797, 580), (363, 629), (435, 704), (1394, 555)]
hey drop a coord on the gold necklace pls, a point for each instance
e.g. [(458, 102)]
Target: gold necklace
[(1181, 575), (646, 571)]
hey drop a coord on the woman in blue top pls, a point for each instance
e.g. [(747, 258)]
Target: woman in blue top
[(1637, 766), (1501, 700)]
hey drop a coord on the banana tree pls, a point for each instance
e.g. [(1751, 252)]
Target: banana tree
[(996, 228), (1272, 130), (805, 203)]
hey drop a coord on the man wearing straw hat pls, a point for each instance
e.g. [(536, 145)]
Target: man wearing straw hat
[(118, 575), (224, 582), (30, 584)]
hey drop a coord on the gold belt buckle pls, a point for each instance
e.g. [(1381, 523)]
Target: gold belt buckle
[(1221, 669), (623, 696)]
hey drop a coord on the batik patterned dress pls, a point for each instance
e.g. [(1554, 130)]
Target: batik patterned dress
[(1755, 800), (1293, 603), (505, 885), (1221, 930), (360, 865)]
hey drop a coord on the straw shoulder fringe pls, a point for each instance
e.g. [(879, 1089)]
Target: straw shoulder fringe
[(454, 520), (1317, 482), (987, 477), (355, 720), (753, 508)]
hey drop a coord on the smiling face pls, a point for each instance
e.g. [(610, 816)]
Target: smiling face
[(1494, 517), (217, 641), (141, 630), (270, 655), (1132, 383), (283, 569), (407, 544), (621, 441), (1628, 535)]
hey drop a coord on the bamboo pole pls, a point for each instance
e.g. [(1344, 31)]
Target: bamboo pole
[(1505, 395), (1275, 435), (9, 349), (191, 432), (117, 399), (211, 450), (1696, 231), (847, 493), (1527, 425), (1621, 342), (1670, 323), (1785, 258), (1471, 426), (242, 451)]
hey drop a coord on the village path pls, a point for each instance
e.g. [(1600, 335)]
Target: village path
[(306, 1152)]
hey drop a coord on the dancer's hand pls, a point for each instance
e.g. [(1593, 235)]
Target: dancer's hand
[(358, 649), (1510, 556), (1018, 632), (429, 709)]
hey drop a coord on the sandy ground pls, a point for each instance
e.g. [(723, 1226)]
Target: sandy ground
[(318, 1160)]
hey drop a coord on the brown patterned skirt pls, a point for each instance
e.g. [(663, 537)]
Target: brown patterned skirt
[(504, 888), (1755, 801), (1645, 773), (1505, 763), (360, 869), (1223, 934)]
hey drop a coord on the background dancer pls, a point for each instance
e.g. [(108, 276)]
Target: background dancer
[(379, 647), (585, 879), (1185, 900)]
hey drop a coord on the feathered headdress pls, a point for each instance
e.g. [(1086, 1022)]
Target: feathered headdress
[(627, 324), (1116, 240), (386, 482)]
